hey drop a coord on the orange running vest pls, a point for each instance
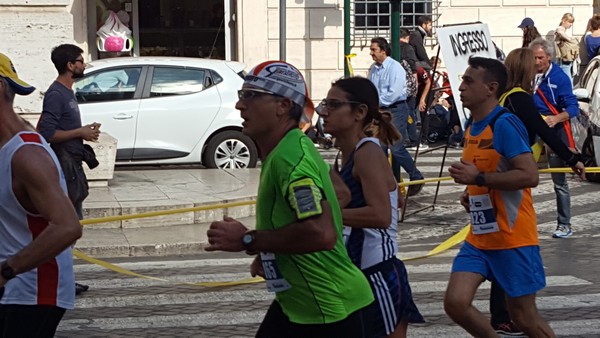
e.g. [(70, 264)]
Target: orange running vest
[(503, 219)]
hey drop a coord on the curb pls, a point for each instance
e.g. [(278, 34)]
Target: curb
[(108, 209), (146, 250), (169, 240)]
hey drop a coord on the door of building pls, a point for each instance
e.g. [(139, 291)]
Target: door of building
[(187, 28)]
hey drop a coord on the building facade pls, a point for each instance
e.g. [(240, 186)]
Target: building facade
[(248, 31)]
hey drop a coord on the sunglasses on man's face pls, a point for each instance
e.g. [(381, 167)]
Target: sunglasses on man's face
[(247, 94)]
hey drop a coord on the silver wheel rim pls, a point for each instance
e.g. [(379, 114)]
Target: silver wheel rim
[(232, 154)]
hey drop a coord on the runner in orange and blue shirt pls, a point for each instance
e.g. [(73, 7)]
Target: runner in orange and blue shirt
[(499, 170)]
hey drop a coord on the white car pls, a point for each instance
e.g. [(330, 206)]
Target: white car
[(586, 127), (168, 110)]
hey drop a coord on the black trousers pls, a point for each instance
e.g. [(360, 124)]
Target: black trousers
[(276, 324), (498, 308), (31, 321)]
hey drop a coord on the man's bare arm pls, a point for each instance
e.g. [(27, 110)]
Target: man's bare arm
[(88, 132), (524, 174)]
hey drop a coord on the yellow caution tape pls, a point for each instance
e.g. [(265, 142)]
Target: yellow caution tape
[(591, 170), (452, 241), (425, 180), (120, 270), (447, 244), (112, 267)]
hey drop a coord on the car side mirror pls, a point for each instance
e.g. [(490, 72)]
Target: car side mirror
[(582, 94)]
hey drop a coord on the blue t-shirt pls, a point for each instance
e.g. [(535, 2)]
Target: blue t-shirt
[(510, 135), (591, 45)]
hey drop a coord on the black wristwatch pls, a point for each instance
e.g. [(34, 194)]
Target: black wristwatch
[(480, 180), (6, 271), (248, 239)]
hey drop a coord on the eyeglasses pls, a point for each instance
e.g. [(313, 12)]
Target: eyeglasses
[(332, 104), (247, 94)]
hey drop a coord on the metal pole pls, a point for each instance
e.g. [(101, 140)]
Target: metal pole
[(346, 36), (282, 36), (395, 29)]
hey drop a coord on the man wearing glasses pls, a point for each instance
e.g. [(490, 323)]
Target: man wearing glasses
[(298, 238), (60, 124)]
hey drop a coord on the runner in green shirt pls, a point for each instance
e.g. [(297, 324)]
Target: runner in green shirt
[(319, 292)]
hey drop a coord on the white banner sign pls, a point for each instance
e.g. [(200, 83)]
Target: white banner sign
[(457, 44)]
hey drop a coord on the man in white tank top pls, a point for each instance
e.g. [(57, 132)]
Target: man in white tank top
[(37, 224)]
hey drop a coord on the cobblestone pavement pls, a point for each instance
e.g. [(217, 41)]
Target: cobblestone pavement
[(122, 306)]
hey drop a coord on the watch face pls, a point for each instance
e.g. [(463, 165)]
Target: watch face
[(7, 272), (247, 239)]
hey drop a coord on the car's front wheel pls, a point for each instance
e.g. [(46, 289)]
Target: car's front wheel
[(230, 150)]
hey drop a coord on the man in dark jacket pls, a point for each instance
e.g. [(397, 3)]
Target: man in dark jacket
[(407, 52), (60, 125), (417, 40)]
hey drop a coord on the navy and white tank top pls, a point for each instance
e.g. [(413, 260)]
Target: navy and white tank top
[(368, 246)]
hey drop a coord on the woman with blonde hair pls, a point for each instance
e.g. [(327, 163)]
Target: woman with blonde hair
[(568, 46), (351, 113), (520, 64)]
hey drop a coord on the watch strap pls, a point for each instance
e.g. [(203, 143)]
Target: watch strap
[(6, 271), (480, 179)]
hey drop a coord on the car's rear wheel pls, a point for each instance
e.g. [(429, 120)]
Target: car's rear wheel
[(230, 150)]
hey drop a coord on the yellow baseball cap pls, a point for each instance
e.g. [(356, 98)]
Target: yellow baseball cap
[(8, 72)]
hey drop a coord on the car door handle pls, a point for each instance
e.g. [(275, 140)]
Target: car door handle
[(123, 117)]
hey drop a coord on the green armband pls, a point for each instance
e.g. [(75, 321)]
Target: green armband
[(305, 198)]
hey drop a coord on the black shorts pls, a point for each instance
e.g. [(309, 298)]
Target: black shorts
[(393, 296), (32, 321), (276, 325)]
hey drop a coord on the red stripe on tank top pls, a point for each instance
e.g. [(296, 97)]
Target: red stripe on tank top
[(47, 288), (34, 138)]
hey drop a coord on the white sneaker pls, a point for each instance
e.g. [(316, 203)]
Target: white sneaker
[(421, 147), (562, 231)]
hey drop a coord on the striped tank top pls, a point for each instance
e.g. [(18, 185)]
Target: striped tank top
[(52, 283), (368, 246)]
